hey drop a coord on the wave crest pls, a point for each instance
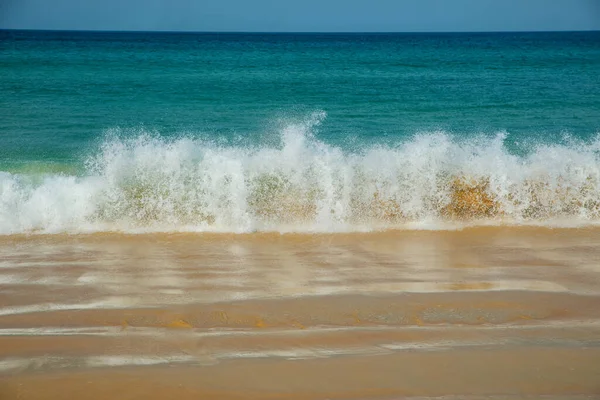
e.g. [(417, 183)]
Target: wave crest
[(149, 183)]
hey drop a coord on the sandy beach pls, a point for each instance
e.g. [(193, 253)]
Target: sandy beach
[(500, 313)]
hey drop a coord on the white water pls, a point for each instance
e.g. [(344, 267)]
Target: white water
[(148, 183)]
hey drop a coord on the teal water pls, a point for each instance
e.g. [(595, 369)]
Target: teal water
[(175, 131)]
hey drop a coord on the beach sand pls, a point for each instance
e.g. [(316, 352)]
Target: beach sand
[(479, 313)]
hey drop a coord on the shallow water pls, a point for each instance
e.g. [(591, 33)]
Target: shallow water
[(124, 312)]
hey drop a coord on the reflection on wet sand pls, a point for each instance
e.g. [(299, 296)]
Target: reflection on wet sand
[(501, 312)]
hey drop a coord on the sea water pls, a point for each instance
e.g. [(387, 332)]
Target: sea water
[(137, 132)]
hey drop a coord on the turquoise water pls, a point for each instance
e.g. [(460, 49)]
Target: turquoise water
[(244, 132)]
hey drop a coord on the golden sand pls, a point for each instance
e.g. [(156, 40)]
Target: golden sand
[(478, 313)]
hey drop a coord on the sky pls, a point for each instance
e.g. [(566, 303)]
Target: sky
[(302, 15)]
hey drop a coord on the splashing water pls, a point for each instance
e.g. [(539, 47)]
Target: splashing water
[(149, 183)]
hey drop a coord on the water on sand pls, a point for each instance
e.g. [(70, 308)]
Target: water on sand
[(383, 315)]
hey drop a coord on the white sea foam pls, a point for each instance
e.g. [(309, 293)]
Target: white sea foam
[(148, 183)]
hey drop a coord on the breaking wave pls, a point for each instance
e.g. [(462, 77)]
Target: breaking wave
[(148, 183)]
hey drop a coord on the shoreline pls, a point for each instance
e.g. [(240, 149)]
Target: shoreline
[(444, 227)]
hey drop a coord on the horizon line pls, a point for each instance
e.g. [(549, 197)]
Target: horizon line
[(288, 32)]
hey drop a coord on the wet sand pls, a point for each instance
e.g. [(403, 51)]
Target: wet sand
[(502, 313)]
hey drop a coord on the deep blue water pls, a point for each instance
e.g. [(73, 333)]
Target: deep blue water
[(63, 90)]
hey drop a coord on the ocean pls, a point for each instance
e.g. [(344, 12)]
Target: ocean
[(299, 216), (232, 132)]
